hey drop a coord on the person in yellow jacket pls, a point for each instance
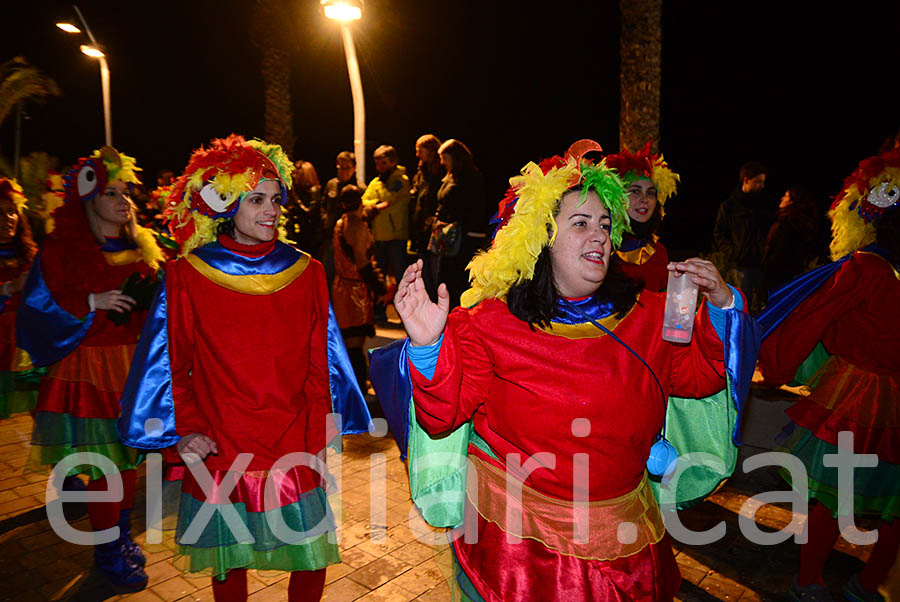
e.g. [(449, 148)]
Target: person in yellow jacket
[(388, 197)]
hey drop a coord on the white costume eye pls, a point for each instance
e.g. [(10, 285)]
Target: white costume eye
[(217, 202), (87, 181), (884, 195)]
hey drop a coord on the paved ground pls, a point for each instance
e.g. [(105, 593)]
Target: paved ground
[(385, 559)]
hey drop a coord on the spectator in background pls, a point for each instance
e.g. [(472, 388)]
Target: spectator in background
[(346, 175), (387, 198), (150, 206), (164, 177), (741, 226), (303, 210), (795, 240), (461, 202), (425, 185), (357, 282)]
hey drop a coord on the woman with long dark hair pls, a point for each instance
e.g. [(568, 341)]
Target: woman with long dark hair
[(557, 358), (460, 208), (795, 240)]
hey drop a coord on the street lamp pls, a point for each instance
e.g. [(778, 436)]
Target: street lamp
[(345, 11), (92, 50)]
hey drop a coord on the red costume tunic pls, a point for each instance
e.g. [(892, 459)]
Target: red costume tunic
[(646, 264), (239, 347), (354, 306), (15, 395), (249, 369), (10, 269), (524, 388), (78, 402), (854, 315)]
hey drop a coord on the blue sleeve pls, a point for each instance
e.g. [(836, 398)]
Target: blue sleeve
[(346, 397), (147, 420), (425, 358), (717, 315)]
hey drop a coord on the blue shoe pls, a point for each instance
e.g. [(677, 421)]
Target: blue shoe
[(810, 593), (111, 561), (132, 549), (855, 592)]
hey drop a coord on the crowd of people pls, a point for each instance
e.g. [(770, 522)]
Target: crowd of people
[(239, 277)]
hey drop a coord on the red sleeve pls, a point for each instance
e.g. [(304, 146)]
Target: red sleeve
[(180, 325), (69, 292), (793, 340), (698, 369), (317, 388), (461, 378)]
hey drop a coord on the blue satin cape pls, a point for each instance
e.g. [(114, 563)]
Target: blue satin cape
[(44, 329)]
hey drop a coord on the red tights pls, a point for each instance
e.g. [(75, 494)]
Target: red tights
[(304, 586), (104, 515), (823, 532)]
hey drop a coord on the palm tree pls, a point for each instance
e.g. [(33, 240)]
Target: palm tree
[(20, 82), (272, 30), (639, 72)]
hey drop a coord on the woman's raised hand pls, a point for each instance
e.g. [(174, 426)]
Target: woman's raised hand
[(197, 443), (424, 320), (114, 300), (707, 278)]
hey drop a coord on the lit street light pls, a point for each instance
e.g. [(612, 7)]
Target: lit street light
[(92, 50), (68, 28), (345, 11)]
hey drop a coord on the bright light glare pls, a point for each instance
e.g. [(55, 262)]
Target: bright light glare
[(91, 51), (68, 28), (343, 12)]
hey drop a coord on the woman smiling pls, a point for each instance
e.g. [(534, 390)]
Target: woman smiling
[(557, 358)]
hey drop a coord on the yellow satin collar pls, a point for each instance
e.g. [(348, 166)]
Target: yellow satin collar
[(257, 284), (641, 255), (586, 330)]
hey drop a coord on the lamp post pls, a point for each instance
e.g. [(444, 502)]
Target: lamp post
[(93, 50), (345, 11)]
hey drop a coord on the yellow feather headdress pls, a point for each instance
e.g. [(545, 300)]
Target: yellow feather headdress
[(528, 220), (872, 189), (214, 182)]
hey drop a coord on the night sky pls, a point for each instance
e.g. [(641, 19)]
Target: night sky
[(808, 88)]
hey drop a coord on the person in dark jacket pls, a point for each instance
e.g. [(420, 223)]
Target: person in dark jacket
[(345, 164), (741, 227), (303, 210), (461, 202), (425, 185)]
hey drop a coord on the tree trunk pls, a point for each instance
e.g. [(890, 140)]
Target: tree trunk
[(639, 73), (272, 31)]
